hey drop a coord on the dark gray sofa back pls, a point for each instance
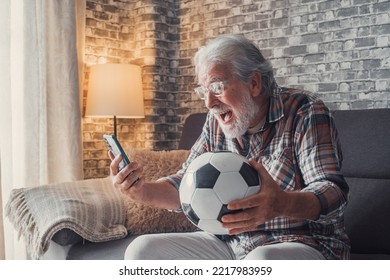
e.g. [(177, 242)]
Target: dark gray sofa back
[(365, 142), (191, 130)]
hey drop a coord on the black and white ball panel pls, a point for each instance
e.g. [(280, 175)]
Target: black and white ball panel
[(249, 174), (206, 176), (211, 181), (189, 212)]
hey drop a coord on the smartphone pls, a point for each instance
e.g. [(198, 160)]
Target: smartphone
[(116, 148)]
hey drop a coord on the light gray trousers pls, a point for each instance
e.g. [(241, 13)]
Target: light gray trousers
[(205, 246)]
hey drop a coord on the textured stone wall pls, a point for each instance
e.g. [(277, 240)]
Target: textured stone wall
[(337, 49)]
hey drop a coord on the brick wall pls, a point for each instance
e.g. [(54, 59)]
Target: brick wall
[(338, 49), (146, 34)]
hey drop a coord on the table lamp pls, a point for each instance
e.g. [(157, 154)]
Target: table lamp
[(115, 90)]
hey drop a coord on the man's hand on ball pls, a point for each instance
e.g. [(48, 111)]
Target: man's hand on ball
[(258, 208), (129, 180)]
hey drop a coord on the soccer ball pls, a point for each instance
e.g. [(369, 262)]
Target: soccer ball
[(211, 181)]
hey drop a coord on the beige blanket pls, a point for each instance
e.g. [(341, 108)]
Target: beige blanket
[(92, 208)]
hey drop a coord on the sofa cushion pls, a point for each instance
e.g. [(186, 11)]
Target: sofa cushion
[(142, 219), (112, 250), (367, 219)]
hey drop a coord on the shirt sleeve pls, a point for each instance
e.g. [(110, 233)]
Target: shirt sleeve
[(319, 157)]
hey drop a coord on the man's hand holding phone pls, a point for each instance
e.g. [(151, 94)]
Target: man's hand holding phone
[(125, 175), (128, 178)]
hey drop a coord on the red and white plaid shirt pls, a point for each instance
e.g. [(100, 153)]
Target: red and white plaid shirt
[(299, 147)]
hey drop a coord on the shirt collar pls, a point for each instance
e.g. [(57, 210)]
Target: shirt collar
[(275, 112)]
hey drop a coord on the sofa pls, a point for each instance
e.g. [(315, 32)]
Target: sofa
[(365, 141)]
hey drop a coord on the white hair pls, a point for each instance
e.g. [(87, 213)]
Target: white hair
[(240, 53)]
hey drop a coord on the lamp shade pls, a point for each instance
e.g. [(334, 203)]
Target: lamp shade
[(115, 90)]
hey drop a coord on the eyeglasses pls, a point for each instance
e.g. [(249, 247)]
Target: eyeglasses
[(215, 88)]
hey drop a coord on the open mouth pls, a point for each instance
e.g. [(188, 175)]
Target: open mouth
[(226, 116)]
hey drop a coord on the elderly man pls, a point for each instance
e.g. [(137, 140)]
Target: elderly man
[(291, 140)]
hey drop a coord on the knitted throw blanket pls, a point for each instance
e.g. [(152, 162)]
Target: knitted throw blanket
[(92, 208)]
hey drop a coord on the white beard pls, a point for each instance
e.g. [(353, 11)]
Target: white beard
[(244, 114)]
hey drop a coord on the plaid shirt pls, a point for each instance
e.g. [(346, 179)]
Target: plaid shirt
[(299, 147)]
